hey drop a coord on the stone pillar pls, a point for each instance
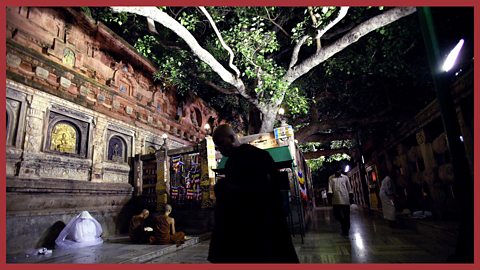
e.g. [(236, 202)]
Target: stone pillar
[(467, 139), (207, 176), (162, 188), (34, 126), (139, 148), (99, 148)]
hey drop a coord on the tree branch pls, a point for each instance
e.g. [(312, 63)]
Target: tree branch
[(224, 45), (314, 20), (296, 51), (349, 38), (170, 23), (340, 16), (276, 24), (313, 128), (326, 137), (327, 153), (151, 26)]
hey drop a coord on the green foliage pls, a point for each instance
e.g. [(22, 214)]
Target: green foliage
[(309, 147), (189, 20), (341, 144), (316, 164), (145, 45), (338, 157), (297, 103), (261, 49)]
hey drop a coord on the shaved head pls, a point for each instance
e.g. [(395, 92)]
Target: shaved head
[(225, 139)]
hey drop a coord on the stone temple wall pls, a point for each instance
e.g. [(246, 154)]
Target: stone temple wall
[(80, 104)]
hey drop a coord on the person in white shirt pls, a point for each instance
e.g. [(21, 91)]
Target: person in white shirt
[(341, 195)]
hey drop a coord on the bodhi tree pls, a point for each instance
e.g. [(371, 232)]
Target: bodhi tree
[(253, 54)]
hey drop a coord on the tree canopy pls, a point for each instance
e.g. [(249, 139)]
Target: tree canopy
[(249, 61)]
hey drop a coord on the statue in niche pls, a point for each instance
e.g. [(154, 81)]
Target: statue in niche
[(68, 57), (151, 150), (193, 117), (116, 155), (64, 138), (115, 150)]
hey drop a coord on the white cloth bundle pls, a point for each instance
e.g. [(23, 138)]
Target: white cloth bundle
[(82, 231)]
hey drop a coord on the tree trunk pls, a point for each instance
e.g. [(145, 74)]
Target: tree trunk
[(268, 120), (254, 120)]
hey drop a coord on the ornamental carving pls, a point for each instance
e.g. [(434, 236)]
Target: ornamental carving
[(64, 138)]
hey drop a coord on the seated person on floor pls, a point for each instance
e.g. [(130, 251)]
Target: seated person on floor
[(82, 231), (137, 231), (164, 229)]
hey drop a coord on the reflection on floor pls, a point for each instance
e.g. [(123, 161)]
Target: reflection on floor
[(371, 240)]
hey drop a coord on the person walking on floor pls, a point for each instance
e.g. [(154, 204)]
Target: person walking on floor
[(250, 225), (341, 195)]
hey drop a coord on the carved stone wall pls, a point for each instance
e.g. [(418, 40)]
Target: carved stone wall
[(73, 87)]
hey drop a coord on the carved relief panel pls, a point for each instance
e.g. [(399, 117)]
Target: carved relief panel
[(15, 117)]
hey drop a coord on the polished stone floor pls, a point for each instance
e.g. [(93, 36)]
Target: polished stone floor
[(371, 240)]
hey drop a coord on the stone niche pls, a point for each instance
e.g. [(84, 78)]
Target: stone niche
[(15, 121), (118, 153), (153, 144), (65, 149)]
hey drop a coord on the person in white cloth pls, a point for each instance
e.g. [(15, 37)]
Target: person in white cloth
[(387, 196), (82, 231)]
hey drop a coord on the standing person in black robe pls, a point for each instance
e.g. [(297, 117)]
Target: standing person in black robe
[(250, 225)]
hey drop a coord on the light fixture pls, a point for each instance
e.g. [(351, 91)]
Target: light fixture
[(206, 126), (452, 56), (281, 111), (347, 168), (164, 137)]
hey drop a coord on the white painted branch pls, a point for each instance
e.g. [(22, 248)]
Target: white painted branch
[(341, 15), (151, 26), (170, 23), (224, 45), (296, 51), (349, 38)]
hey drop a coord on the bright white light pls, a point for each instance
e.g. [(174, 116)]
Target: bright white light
[(207, 126), (461, 138), (281, 111), (164, 136), (452, 56), (363, 160), (359, 241), (347, 168)]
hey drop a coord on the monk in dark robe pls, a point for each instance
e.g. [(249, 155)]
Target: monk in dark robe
[(137, 230), (250, 225), (164, 229)]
